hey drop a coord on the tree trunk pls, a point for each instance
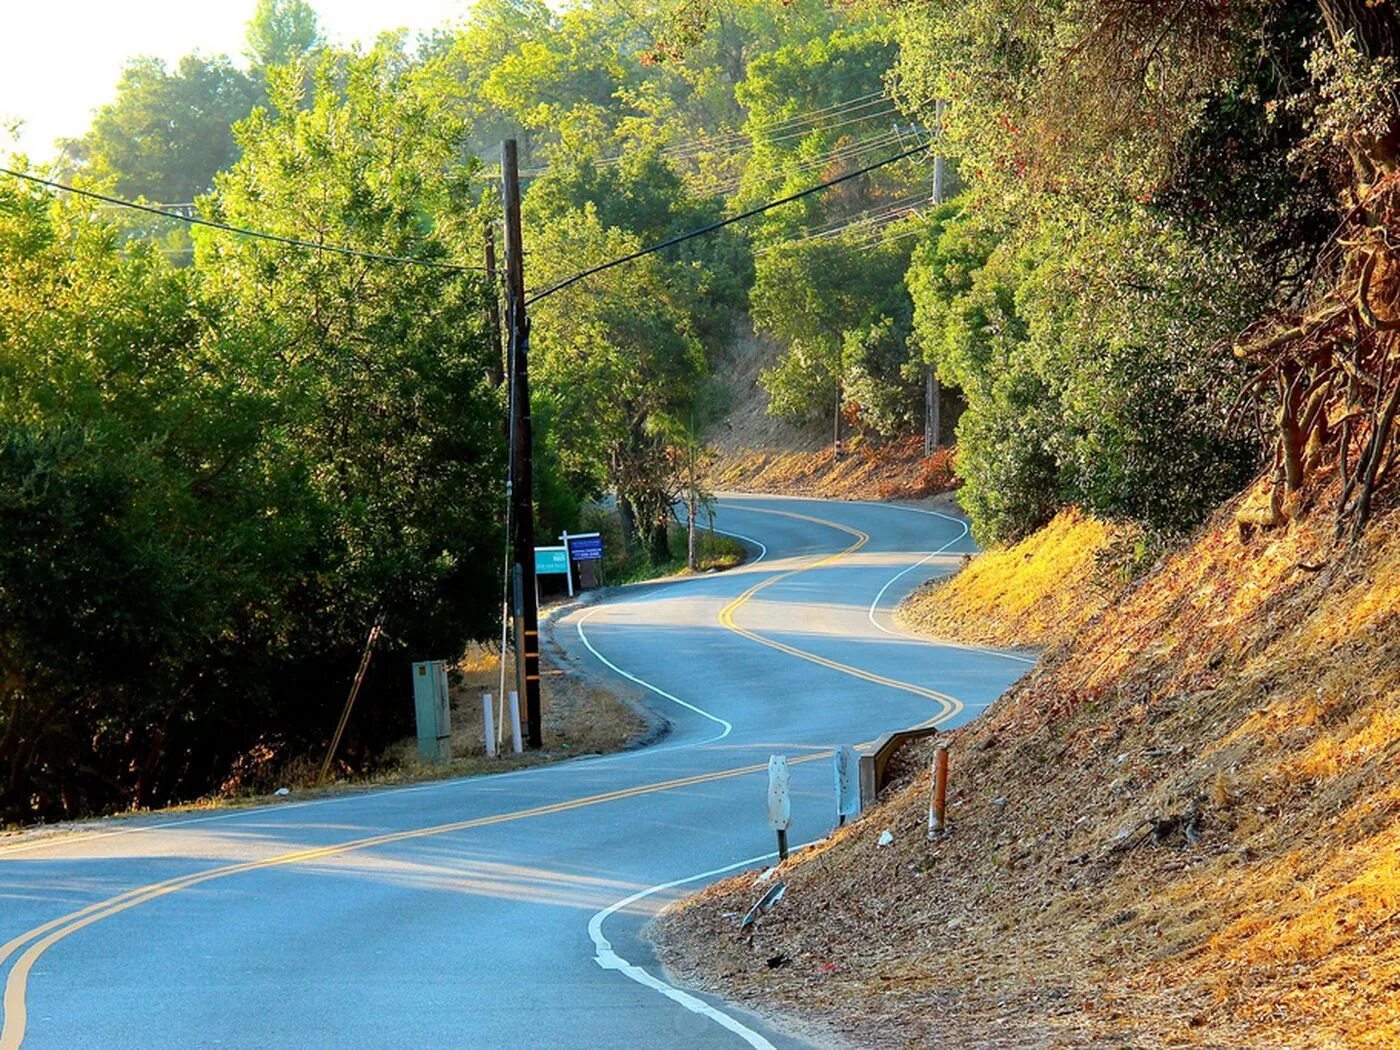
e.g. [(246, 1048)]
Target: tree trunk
[(690, 559), (660, 543), (1374, 27), (628, 517)]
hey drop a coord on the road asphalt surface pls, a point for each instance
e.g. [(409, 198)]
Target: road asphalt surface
[(507, 911)]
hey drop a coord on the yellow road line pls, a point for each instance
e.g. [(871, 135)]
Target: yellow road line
[(950, 705), (50, 933)]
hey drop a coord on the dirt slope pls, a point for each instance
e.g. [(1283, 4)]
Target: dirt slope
[(747, 426), (753, 451), (894, 470), (1183, 831), (1038, 592)]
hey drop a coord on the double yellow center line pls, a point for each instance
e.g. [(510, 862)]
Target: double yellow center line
[(50, 933), (949, 705), (41, 938)]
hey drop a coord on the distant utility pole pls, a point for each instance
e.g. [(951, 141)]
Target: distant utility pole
[(933, 392), (527, 612), (836, 423), (691, 559), (496, 372)]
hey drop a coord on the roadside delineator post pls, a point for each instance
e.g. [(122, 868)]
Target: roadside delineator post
[(490, 725), (847, 786), (779, 802), (938, 799), (515, 722)]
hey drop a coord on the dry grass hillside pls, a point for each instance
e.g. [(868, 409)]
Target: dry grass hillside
[(754, 451), (1182, 831), (893, 470), (1038, 592)]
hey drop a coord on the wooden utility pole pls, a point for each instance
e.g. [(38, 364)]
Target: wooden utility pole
[(836, 423), (933, 392), (691, 560), (527, 612), (496, 373)]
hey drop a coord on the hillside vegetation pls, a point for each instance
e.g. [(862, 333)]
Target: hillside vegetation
[(1040, 591), (892, 470), (226, 461), (1182, 830)]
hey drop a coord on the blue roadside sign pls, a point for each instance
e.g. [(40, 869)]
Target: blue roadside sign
[(551, 560), (586, 548)]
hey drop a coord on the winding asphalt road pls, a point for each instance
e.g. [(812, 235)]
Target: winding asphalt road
[(507, 910)]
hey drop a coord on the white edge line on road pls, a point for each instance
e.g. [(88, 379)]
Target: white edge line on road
[(264, 809), (728, 727), (932, 554), (604, 955), (610, 960)]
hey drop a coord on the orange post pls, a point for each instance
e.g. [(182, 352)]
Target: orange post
[(938, 802)]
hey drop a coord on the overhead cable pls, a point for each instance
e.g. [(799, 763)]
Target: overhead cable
[(193, 220), (712, 227)]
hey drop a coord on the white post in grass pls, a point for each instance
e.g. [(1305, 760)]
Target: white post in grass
[(515, 722), (847, 786), (490, 726), (779, 802)]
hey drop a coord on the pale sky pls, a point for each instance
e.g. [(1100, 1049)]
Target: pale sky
[(60, 61)]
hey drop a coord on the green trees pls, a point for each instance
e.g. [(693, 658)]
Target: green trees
[(382, 367), (842, 313), (621, 359), (1132, 205), (168, 131), (213, 480), (1078, 349), (281, 31)]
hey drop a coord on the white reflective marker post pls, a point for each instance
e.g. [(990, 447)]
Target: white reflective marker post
[(779, 801), (489, 725), (515, 721), (847, 785)]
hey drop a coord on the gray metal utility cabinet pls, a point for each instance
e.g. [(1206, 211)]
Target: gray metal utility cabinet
[(432, 710)]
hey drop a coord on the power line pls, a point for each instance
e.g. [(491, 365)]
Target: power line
[(740, 138), (720, 225), (866, 224), (870, 214), (194, 220), (779, 132), (845, 152), (737, 142), (888, 240), (744, 143)]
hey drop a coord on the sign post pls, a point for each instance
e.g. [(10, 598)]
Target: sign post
[(779, 802)]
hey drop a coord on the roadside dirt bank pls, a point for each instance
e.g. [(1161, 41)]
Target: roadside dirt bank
[(894, 470), (1182, 829)]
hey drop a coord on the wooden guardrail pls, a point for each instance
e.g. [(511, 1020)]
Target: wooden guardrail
[(875, 764)]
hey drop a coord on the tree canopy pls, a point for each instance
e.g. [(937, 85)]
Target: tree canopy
[(1162, 263)]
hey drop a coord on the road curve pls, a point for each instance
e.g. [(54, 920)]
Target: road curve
[(507, 910)]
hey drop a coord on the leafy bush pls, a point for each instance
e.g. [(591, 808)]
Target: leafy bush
[(214, 480)]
